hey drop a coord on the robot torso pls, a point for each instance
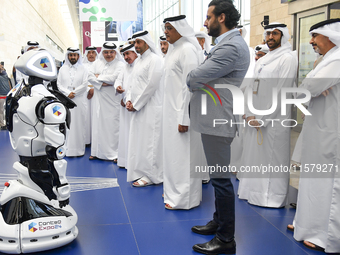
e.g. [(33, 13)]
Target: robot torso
[(28, 112)]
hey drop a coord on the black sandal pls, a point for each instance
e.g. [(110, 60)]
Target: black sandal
[(290, 228)]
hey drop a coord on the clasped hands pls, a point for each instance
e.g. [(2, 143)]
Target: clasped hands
[(129, 107), (326, 92), (72, 95), (120, 90), (252, 122)]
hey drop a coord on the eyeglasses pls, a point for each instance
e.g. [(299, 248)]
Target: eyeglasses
[(168, 28), (108, 52), (273, 33)]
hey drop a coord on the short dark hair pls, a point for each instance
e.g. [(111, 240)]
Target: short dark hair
[(232, 16)]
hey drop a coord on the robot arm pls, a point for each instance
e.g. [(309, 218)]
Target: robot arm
[(55, 116)]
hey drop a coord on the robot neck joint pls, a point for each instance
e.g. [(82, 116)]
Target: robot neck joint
[(33, 80)]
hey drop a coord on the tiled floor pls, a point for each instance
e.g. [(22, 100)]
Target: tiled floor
[(125, 220)]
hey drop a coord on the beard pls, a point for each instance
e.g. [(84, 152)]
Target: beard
[(127, 60), (73, 61), (274, 45), (141, 49), (215, 29), (316, 48)]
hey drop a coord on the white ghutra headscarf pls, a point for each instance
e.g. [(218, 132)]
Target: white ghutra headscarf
[(285, 47), (31, 44), (207, 41), (73, 50), (331, 29), (184, 29), (145, 36), (89, 48), (262, 47), (110, 46), (128, 47)]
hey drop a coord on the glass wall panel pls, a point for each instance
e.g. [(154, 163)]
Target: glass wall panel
[(307, 56), (334, 12), (195, 10)]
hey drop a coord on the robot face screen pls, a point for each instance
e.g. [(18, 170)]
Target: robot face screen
[(41, 63), (37, 63)]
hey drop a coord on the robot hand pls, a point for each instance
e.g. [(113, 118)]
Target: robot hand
[(64, 203)]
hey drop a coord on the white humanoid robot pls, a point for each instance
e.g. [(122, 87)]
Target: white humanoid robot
[(35, 210)]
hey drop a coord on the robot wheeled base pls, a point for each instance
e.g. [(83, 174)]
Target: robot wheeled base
[(34, 223)]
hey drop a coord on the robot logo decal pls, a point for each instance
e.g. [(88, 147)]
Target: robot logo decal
[(61, 151), (16, 87), (43, 62), (31, 227), (56, 110)]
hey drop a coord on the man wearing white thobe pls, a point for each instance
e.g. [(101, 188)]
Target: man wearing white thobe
[(72, 82), (238, 142), (123, 85), (204, 40), (89, 57), (260, 51), (181, 190), (296, 156), (105, 103), (251, 67), (164, 45), (145, 100), (317, 221), (276, 70)]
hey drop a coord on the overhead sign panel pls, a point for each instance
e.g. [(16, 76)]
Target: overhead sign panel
[(107, 10)]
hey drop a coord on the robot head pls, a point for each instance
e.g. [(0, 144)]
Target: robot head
[(38, 63)]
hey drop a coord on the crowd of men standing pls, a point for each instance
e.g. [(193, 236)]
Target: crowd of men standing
[(140, 106)]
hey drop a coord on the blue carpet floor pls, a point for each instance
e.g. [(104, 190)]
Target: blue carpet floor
[(125, 220)]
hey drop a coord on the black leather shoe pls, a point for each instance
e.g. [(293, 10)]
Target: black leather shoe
[(216, 246), (209, 229)]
